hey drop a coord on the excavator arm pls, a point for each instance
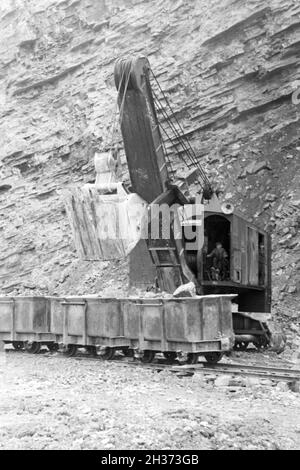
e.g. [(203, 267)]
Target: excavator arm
[(148, 169), (140, 129)]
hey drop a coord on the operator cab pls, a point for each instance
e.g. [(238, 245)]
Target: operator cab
[(216, 240), (235, 258)]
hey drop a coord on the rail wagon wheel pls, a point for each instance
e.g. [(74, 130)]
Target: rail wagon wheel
[(33, 348), (192, 358), (71, 350), (170, 355), (128, 352), (241, 346), (108, 354), (148, 356), (92, 350), (18, 345), (213, 357), (53, 347), (261, 343)]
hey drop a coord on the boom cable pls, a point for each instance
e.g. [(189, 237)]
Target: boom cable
[(186, 146)]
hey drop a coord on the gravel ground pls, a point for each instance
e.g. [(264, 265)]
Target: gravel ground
[(52, 402)]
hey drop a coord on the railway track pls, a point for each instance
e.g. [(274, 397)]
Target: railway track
[(264, 372), (285, 373)]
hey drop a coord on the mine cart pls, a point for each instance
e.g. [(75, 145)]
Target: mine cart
[(25, 322)]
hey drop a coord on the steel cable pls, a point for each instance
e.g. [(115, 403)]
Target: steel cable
[(187, 148)]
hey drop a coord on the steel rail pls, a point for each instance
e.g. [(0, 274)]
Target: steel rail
[(264, 372), (258, 368)]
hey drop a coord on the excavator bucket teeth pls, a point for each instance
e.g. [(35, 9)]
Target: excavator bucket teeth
[(105, 226)]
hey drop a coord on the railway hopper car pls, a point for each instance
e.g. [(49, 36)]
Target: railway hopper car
[(196, 326), (92, 323), (25, 322), (193, 326)]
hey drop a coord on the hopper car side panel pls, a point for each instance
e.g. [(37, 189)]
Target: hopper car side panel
[(93, 321), (28, 317), (190, 325)]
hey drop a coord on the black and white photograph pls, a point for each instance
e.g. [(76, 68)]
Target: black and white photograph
[(149, 228)]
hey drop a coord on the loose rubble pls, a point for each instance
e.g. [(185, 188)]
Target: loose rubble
[(49, 402)]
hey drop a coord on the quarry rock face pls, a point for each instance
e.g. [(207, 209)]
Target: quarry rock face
[(230, 70)]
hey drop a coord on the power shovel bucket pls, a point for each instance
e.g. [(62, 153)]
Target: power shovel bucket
[(105, 226)]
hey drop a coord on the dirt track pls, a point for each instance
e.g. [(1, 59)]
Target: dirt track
[(49, 402)]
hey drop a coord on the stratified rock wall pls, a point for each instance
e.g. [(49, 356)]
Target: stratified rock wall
[(229, 68)]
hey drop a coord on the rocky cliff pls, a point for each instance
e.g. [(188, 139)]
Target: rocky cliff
[(229, 68)]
